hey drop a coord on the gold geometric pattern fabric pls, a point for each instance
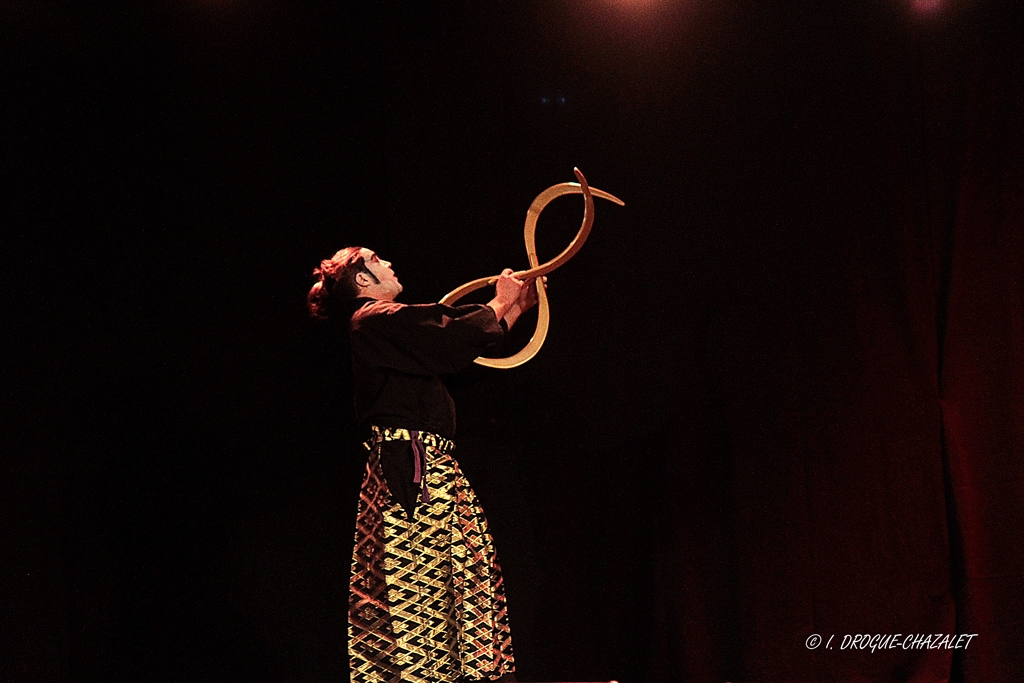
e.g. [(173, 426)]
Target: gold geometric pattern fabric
[(427, 604)]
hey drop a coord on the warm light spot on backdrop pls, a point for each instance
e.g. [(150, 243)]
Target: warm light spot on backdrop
[(928, 6)]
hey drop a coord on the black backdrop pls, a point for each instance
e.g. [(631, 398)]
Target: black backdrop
[(781, 394)]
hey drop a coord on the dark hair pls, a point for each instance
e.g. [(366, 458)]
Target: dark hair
[(336, 282)]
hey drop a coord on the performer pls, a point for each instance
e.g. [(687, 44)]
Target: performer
[(427, 602)]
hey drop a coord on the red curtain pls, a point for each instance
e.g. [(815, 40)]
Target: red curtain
[(857, 465), (982, 371)]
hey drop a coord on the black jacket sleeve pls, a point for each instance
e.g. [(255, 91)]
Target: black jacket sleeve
[(423, 339)]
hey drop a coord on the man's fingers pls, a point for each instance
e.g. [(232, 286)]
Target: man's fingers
[(509, 274)]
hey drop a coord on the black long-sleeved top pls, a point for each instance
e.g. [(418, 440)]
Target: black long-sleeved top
[(398, 352)]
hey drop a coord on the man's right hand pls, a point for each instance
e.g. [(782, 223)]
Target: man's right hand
[(528, 296)]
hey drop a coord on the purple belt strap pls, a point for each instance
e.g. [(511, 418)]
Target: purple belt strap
[(419, 460)]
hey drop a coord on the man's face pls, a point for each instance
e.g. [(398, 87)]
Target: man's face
[(388, 286)]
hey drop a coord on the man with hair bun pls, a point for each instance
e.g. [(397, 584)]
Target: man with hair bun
[(427, 602)]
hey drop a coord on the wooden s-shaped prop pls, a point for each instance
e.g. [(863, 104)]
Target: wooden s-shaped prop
[(537, 270)]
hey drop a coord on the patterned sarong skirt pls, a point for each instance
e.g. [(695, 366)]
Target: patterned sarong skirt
[(427, 602)]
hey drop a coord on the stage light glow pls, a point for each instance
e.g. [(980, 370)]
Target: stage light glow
[(927, 6), (637, 7), (635, 4)]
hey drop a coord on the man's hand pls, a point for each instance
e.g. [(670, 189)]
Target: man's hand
[(528, 295), (507, 291), (527, 300)]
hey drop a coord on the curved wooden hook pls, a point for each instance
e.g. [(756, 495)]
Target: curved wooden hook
[(537, 270)]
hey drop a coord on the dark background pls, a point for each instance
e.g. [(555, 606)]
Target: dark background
[(782, 392)]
